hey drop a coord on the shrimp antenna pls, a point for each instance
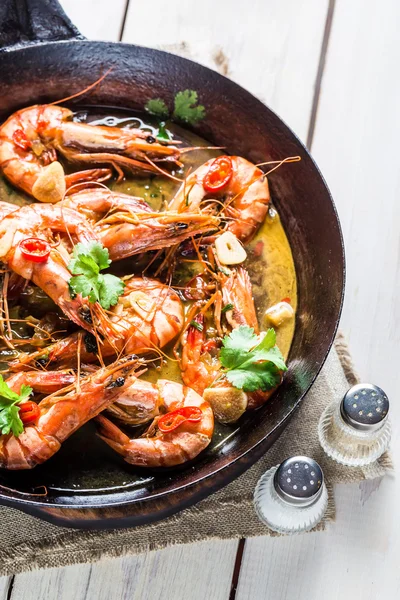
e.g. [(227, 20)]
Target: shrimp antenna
[(87, 89)]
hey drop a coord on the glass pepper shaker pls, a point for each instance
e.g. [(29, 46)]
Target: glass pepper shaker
[(292, 497), (356, 431)]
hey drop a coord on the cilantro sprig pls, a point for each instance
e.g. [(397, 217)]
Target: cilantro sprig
[(186, 108), (252, 363), (87, 261), (157, 107), (9, 411)]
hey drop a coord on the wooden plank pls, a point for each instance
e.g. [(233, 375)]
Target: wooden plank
[(154, 576), (5, 584), (271, 48), (355, 144), (352, 560), (96, 19)]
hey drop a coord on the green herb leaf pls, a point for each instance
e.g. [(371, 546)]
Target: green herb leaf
[(89, 259), (157, 107), (196, 325), (186, 108), (86, 263), (252, 364), (226, 308), (242, 338), (9, 412), (162, 133), (256, 377), (24, 392), (111, 288), (6, 393)]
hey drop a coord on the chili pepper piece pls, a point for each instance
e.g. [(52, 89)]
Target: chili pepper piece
[(175, 418), (218, 175), (35, 249), (29, 412)]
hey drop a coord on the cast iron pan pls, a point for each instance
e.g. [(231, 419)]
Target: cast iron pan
[(44, 58)]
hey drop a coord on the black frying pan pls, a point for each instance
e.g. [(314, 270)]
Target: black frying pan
[(44, 58)]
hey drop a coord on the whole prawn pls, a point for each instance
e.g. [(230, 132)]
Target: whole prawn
[(63, 412), (52, 276), (127, 225), (147, 316), (157, 448), (200, 367), (32, 138), (246, 196)]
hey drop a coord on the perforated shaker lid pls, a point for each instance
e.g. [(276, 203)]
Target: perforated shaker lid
[(364, 407), (299, 480)]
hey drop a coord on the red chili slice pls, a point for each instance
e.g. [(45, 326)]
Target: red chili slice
[(210, 345), (35, 249), (177, 417), (286, 300), (20, 139), (218, 175), (29, 412)]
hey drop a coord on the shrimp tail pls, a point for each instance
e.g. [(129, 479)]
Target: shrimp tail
[(111, 434)]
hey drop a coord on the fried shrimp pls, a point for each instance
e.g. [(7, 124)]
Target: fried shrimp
[(241, 186), (63, 412), (32, 138), (179, 440), (147, 316)]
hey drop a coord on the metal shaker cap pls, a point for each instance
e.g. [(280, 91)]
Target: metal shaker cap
[(299, 480), (364, 407)]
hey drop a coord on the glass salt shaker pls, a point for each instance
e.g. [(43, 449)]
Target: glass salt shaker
[(356, 431), (292, 497)]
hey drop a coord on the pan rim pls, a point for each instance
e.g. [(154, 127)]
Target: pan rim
[(23, 503)]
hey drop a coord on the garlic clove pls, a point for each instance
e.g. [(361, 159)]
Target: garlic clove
[(229, 250), (228, 403), (50, 185), (279, 313)]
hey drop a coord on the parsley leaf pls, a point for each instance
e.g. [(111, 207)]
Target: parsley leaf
[(255, 378), (86, 263), (157, 107), (252, 364), (9, 412), (186, 108), (111, 288), (89, 257)]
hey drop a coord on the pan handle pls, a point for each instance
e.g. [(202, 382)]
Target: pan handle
[(24, 22)]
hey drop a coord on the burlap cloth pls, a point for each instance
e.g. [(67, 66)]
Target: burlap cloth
[(28, 543)]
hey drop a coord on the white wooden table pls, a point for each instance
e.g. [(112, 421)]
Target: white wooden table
[(330, 69)]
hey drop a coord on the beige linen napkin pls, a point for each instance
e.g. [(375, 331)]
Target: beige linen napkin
[(28, 543)]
